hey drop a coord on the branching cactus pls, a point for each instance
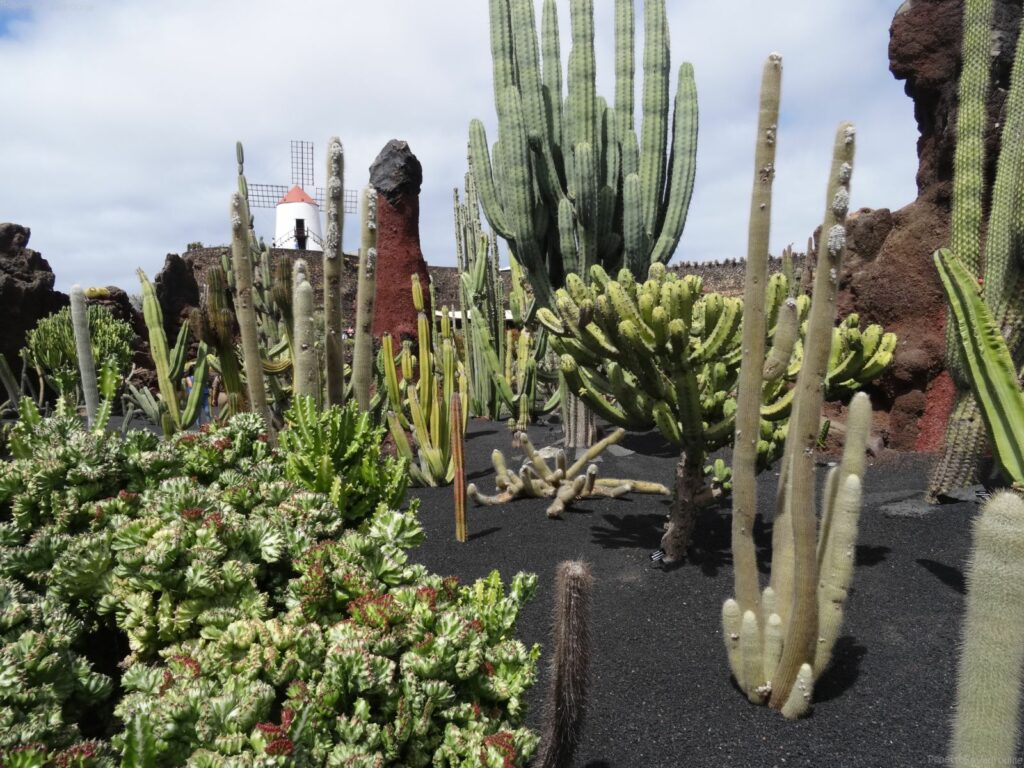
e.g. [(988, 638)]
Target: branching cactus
[(570, 183), (424, 407), (780, 641), (362, 355), (83, 348), (986, 725)]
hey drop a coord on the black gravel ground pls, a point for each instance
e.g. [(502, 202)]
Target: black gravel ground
[(661, 693)]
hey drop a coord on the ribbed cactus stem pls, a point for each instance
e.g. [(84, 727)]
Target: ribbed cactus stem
[(304, 354), (567, 696), (83, 349), (748, 401), (459, 460), (245, 310), (362, 355), (985, 727), (334, 264), (802, 628)]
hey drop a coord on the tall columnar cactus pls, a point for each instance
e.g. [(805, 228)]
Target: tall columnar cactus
[(750, 383), (252, 361), (362, 355), (83, 348), (570, 666), (999, 263), (305, 364), (986, 725), (168, 412), (569, 183), (459, 460), (334, 260)]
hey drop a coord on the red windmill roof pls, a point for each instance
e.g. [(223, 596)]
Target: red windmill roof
[(296, 195)]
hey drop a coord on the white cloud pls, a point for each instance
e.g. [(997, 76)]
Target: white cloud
[(118, 143)]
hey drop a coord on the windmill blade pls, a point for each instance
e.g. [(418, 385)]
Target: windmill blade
[(266, 195), (302, 164)]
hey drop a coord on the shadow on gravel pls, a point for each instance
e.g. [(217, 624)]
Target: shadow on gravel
[(868, 555), (471, 435), (649, 444), (484, 532), (947, 574), (634, 531), (843, 672)]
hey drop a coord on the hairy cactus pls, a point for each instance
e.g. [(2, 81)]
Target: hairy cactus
[(570, 667), (334, 261), (570, 184), (305, 364), (362, 355), (986, 725)]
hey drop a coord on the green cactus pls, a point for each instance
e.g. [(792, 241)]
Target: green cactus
[(998, 264), (334, 262), (215, 325), (424, 407), (459, 461), (986, 724), (245, 310), (563, 483), (569, 184), (168, 412), (362, 355), (305, 367)]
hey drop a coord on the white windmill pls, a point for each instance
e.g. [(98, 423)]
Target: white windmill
[(297, 218)]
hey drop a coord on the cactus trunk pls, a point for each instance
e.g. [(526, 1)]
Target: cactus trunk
[(362, 355), (334, 262), (83, 349)]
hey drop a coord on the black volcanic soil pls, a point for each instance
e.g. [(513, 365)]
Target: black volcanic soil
[(661, 693)]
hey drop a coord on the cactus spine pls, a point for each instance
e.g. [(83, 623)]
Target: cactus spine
[(985, 727), (83, 349), (748, 400), (246, 312), (334, 262), (552, 186), (568, 692), (362, 355)]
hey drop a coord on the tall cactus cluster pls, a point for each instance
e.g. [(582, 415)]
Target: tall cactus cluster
[(570, 182), (995, 258), (779, 641), (424, 406), (503, 365)]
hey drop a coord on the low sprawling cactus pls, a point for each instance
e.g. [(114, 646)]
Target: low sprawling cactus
[(564, 483)]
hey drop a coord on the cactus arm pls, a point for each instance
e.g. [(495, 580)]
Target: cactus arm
[(684, 167), (551, 64), (748, 401), (654, 131), (991, 371), (458, 459), (480, 161), (801, 631), (193, 405), (333, 268), (83, 350), (625, 63)]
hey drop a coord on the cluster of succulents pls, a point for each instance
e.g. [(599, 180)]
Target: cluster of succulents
[(214, 588)]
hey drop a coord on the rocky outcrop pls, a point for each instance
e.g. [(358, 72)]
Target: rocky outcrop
[(888, 275), (396, 174), (26, 290), (119, 304), (177, 291)]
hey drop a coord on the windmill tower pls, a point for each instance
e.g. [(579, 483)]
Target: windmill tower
[(297, 218)]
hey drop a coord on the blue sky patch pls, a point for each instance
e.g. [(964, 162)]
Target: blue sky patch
[(10, 16)]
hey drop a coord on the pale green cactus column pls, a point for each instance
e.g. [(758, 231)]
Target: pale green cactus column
[(83, 349)]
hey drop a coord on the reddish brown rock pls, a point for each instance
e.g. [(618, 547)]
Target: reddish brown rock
[(888, 275), (396, 174)]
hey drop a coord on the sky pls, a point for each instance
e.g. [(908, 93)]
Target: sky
[(120, 116)]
